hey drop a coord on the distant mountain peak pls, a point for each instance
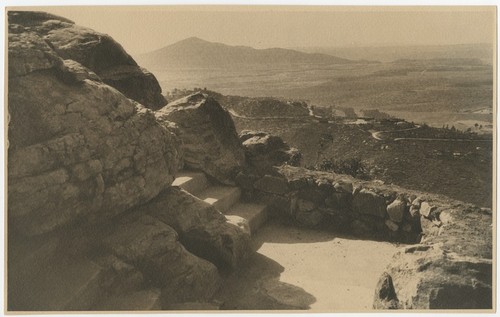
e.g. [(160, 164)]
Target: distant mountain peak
[(193, 39), (196, 52)]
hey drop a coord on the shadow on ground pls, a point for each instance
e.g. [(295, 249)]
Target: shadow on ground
[(257, 286), (298, 234)]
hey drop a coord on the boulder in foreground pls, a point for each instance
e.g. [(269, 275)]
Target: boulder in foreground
[(94, 50), (210, 141), (77, 147)]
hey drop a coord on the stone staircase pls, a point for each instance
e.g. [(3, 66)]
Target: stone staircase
[(227, 199)]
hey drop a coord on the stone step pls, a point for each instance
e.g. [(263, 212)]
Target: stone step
[(221, 197), (64, 286), (254, 214), (148, 299), (190, 181)]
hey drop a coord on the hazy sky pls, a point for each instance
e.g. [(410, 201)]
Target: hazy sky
[(142, 29)]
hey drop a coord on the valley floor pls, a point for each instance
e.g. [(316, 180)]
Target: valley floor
[(297, 268)]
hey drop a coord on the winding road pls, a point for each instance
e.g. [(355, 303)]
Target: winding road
[(377, 135), (236, 115), (449, 140)]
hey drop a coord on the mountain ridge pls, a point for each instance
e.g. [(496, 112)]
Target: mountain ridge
[(196, 52), (390, 53)]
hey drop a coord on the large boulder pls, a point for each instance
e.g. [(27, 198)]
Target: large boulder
[(154, 248), (396, 210), (385, 295), (368, 202), (210, 141), (452, 268), (427, 277), (263, 151), (94, 50), (136, 83), (78, 148), (202, 229)]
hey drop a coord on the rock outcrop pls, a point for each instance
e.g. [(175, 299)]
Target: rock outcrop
[(154, 248), (210, 141), (263, 151), (452, 268), (78, 147), (203, 230), (96, 51), (80, 153), (92, 216), (428, 277)]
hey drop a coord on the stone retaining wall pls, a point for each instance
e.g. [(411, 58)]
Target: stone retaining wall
[(361, 208)]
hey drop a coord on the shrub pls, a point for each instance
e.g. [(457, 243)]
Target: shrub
[(350, 166), (295, 157)]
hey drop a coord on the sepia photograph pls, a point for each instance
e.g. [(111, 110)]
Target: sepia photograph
[(250, 158)]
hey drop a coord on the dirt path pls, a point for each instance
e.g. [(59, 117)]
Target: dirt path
[(446, 140), (234, 114), (377, 135), (296, 268)]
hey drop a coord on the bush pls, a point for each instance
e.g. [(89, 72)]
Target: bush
[(295, 157), (351, 166)]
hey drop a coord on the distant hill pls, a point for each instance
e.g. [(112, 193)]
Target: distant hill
[(482, 51), (195, 52)]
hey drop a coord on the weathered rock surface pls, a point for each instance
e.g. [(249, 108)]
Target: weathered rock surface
[(141, 300), (391, 225), (119, 277), (203, 230), (77, 147), (272, 184), (428, 277), (452, 268), (385, 295), (426, 209), (153, 246), (396, 210), (94, 50), (210, 141), (263, 151), (368, 202), (59, 284), (136, 83)]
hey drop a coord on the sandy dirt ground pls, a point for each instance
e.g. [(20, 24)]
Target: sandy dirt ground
[(296, 268)]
